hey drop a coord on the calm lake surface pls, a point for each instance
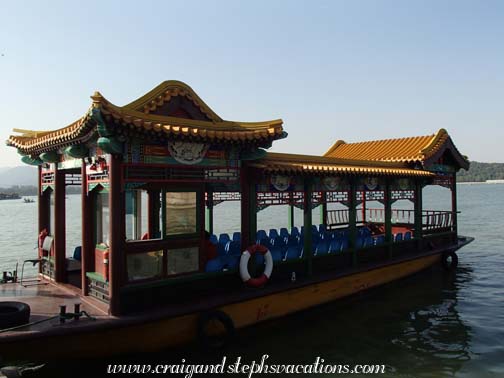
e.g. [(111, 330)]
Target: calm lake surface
[(433, 324)]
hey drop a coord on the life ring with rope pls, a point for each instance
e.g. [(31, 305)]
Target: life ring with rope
[(244, 259)]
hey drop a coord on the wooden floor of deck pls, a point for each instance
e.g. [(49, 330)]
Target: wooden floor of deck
[(45, 299)]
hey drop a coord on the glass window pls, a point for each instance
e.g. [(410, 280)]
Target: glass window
[(181, 213), (145, 265), (183, 260), (102, 218), (137, 215)]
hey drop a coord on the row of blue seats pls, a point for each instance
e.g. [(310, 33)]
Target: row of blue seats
[(273, 233), (283, 249)]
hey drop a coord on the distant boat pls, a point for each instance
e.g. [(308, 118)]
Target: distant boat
[(28, 200), (9, 196)]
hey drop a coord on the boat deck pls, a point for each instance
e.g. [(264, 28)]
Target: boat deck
[(45, 299)]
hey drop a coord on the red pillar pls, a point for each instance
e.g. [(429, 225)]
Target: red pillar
[(87, 252), (117, 263), (59, 225), (245, 209)]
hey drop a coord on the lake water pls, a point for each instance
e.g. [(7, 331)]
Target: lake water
[(433, 324)]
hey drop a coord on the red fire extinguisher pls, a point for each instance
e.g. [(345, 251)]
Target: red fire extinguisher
[(41, 238), (106, 265)]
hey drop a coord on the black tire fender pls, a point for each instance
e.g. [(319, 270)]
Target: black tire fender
[(215, 341), (447, 264), (13, 314)]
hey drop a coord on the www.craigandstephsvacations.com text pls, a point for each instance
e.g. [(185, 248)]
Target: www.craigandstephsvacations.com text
[(242, 367)]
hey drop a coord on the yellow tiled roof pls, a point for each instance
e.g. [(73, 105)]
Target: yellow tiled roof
[(137, 116), (291, 163), (409, 150)]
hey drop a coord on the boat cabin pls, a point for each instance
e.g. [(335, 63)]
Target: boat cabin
[(152, 172)]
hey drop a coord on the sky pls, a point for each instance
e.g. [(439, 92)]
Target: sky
[(351, 70)]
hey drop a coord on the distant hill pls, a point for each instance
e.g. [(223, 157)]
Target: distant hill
[(481, 172), (18, 176)]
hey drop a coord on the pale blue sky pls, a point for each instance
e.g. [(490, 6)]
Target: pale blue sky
[(352, 70)]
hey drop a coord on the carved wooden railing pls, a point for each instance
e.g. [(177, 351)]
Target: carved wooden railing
[(432, 220)]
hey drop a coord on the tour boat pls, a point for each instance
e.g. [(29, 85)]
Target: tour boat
[(150, 273)]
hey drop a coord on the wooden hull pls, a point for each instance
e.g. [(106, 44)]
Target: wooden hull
[(166, 332)]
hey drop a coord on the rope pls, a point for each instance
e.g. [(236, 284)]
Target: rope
[(66, 316), (29, 324)]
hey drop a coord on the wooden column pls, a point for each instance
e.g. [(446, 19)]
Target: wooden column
[(44, 208), (388, 216), (364, 206), (248, 209), (454, 202), (418, 209), (87, 251), (209, 220), (352, 218), (59, 225), (307, 224), (323, 210), (154, 206), (117, 258), (290, 214), (43, 205)]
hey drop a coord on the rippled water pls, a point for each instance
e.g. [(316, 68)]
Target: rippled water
[(430, 325)]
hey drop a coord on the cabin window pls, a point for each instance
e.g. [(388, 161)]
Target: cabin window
[(143, 266), (181, 213), (183, 260), (102, 218), (138, 226)]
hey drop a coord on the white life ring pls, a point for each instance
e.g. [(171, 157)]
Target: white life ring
[(245, 257)]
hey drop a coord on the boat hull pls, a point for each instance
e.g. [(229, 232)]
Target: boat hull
[(168, 332)]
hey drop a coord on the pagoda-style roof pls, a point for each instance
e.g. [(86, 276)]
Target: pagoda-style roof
[(422, 149), (281, 163), (172, 110)]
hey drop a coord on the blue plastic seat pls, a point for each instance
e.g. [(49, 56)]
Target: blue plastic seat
[(273, 233), (293, 252), (379, 240), (398, 237), (234, 248), (335, 246), (322, 248), (266, 242), (236, 236), (407, 235), (295, 232), (221, 249), (223, 238), (230, 261), (314, 229), (368, 241), (278, 241), (322, 228), (261, 234), (344, 244), (214, 265), (213, 239), (359, 242), (77, 255), (277, 253), (284, 233), (292, 241)]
